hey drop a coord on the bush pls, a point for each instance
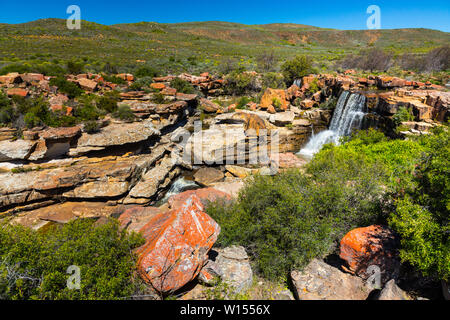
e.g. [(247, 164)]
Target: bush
[(6, 109), (242, 102), (438, 59), (34, 264), (266, 62), (296, 68), (71, 89), (274, 80), (124, 113), (403, 114), (159, 98), (107, 103), (140, 84), (372, 60), (284, 221), (146, 71), (182, 86), (240, 83), (74, 67)]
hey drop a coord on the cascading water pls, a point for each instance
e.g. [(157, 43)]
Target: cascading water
[(348, 115), (179, 185)]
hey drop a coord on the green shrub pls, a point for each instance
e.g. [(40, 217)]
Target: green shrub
[(273, 80), (20, 68), (296, 68), (159, 98), (91, 127), (71, 89), (182, 86), (242, 102), (422, 217), (286, 220), (146, 71), (6, 109), (107, 103), (276, 103), (240, 83), (34, 264), (114, 79), (403, 114), (74, 67), (124, 113), (140, 84)]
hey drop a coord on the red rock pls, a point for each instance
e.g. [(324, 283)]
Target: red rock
[(271, 109), (371, 246), (271, 94), (158, 85), (307, 104), (169, 91), (177, 246), (126, 76), (59, 99), (164, 79), (60, 133), (205, 195), (287, 160), (134, 219), (350, 71), (17, 92), (205, 74), (32, 77)]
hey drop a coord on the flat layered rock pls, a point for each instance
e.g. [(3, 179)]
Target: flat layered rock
[(114, 135)]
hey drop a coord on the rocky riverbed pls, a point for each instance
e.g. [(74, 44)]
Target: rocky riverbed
[(157, 172)]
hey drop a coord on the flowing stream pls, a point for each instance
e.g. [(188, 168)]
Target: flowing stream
[(348, 115), (178, 186)]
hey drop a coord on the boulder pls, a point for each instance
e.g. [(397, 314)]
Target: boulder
[(271, 94), (392, 292), (207, 176), (234, 265), (177, 244), (288, 160), (15, 150), (157, 85), (135, 218), (60, 133), (87, 84), (320, 281), (371, 246), (282, 118), (32, 77), (209, 106)]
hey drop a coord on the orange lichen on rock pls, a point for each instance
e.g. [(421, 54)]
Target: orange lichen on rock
[(177, 245)]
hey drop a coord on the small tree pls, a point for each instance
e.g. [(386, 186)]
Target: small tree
[(266, 62), (296, 68)]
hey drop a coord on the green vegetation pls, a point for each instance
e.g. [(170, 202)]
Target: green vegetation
[(296, 68), (241, 83), (33, 265), (182, 86), (124, 113), (71, 89), (286, 220)]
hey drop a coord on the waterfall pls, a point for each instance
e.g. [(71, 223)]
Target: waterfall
[(348, 114)]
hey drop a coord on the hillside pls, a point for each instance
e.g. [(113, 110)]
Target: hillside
[(206, 44)]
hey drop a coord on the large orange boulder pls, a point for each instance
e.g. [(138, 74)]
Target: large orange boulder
[(271, 95), (375, 246), (177, 246)]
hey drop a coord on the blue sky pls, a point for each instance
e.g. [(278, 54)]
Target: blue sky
[(434, 14)]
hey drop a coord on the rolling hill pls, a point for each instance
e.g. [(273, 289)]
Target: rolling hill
[(196, 45)]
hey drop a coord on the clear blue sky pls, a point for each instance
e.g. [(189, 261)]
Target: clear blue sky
[(433, 14)]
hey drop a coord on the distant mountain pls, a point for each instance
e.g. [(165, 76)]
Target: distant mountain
[(209, 42)]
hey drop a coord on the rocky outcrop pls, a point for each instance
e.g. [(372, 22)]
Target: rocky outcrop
[(320, 281), (15, 150), (176, 246), (207, 176), (205, 195), (373, 246)]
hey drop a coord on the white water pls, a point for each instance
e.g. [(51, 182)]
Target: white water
[(348, 115), (180, 185)]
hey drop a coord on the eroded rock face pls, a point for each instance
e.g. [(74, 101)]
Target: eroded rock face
[(135, 218), (320, 281), (271, 95), (371, 246), (114, 135), (177, 246)]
